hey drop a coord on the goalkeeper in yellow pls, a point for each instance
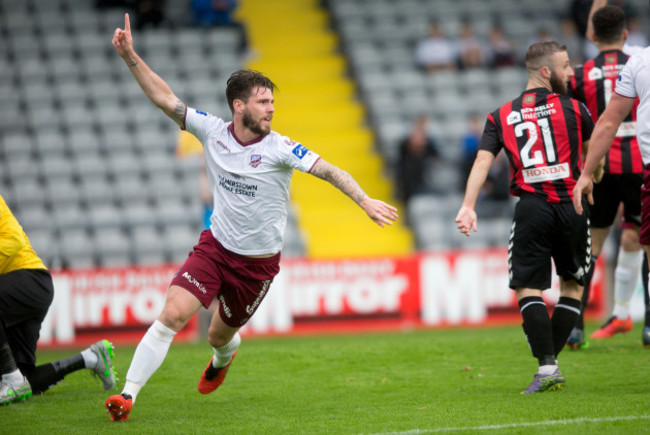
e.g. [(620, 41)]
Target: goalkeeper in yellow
[(26, 292)]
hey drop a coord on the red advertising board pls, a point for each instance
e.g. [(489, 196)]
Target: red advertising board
[(468, 287)]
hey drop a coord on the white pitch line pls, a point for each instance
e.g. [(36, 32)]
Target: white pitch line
[(517, 425)]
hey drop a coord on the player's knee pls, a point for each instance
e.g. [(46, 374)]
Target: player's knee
[(630, 240), (217, 337), (173, 317)]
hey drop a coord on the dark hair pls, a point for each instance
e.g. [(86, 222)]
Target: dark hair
[(539, 54), (609, 24), (241, 83)]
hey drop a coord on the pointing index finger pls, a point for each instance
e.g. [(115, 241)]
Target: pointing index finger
[(127, 23)]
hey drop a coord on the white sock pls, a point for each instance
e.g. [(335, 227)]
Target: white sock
[(90, 358), (148, 357), (547, 370), (223, 354), (14, 377), (626, 280)]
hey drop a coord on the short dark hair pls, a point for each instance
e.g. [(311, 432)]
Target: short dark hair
[(609, 24), (539, 54), (241, 83)]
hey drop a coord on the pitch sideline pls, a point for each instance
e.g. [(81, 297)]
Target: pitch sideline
[(517, 425)]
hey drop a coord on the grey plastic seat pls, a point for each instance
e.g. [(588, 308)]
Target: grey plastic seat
[(62, 192), (178, 241), (17, 145), (112, 247), (70, 217), (98, 190), (55, 167), (89, 166), (49, 143), (34, 217), (138, 215), (147, 246), (105, 216), (22, 168), (76, 249), (131, 189)]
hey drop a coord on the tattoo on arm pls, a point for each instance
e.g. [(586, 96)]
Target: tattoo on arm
[(177, 114), (179, 111), (132, 63), (339, 179)]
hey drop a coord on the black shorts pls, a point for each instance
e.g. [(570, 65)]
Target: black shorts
[(542, 231), (613, 190), (25, 297)]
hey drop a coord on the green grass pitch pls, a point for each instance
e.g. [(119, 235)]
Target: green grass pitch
[(456, 380)]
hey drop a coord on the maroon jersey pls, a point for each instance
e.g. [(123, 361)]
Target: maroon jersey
[(593, 84), (542, 134)]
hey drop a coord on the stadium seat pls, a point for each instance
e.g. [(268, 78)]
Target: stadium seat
[(112, 246), (147, 246), (76, 249)]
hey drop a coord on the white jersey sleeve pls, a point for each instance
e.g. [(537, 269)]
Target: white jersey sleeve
[(634, 81), (297, 156), (201, 124)]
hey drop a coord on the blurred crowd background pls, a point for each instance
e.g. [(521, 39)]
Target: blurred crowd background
[(395, 92)]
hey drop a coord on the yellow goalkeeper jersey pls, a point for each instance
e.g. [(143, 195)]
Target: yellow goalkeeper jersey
[(15, 251)]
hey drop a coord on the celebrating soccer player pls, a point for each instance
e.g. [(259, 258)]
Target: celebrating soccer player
[(250, 167)]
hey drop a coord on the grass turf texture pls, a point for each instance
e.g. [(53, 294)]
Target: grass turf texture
[(417, 382)]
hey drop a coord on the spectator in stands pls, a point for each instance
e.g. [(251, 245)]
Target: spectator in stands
[(26, 292), (149, 13), (436, 52), (469, 144), (219, 13), (501, 51), (573, 41), (471, 50), (417, 151)]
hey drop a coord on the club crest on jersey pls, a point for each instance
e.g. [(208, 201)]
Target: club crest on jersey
[(256, 159), (300, 151), (529, 99)]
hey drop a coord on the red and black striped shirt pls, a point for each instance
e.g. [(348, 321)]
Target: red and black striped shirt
[(542, 134), (593, 84)]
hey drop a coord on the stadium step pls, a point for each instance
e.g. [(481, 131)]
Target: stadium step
[(316, 106)]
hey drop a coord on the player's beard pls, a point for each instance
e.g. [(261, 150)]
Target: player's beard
[(557, 85), (255, 127)]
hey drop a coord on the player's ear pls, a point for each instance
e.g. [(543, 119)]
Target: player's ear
[(545, 72), (238, 105)]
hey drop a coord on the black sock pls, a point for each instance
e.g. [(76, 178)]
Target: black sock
[(70, 364), (7, 361), (564, 318), (537, 327), (580, 321), (47, 375), (43, 377)]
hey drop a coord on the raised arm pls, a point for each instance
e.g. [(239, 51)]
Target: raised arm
[(380, 212), (601, 139), (595, 5), (154, 87), (466, 217)]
